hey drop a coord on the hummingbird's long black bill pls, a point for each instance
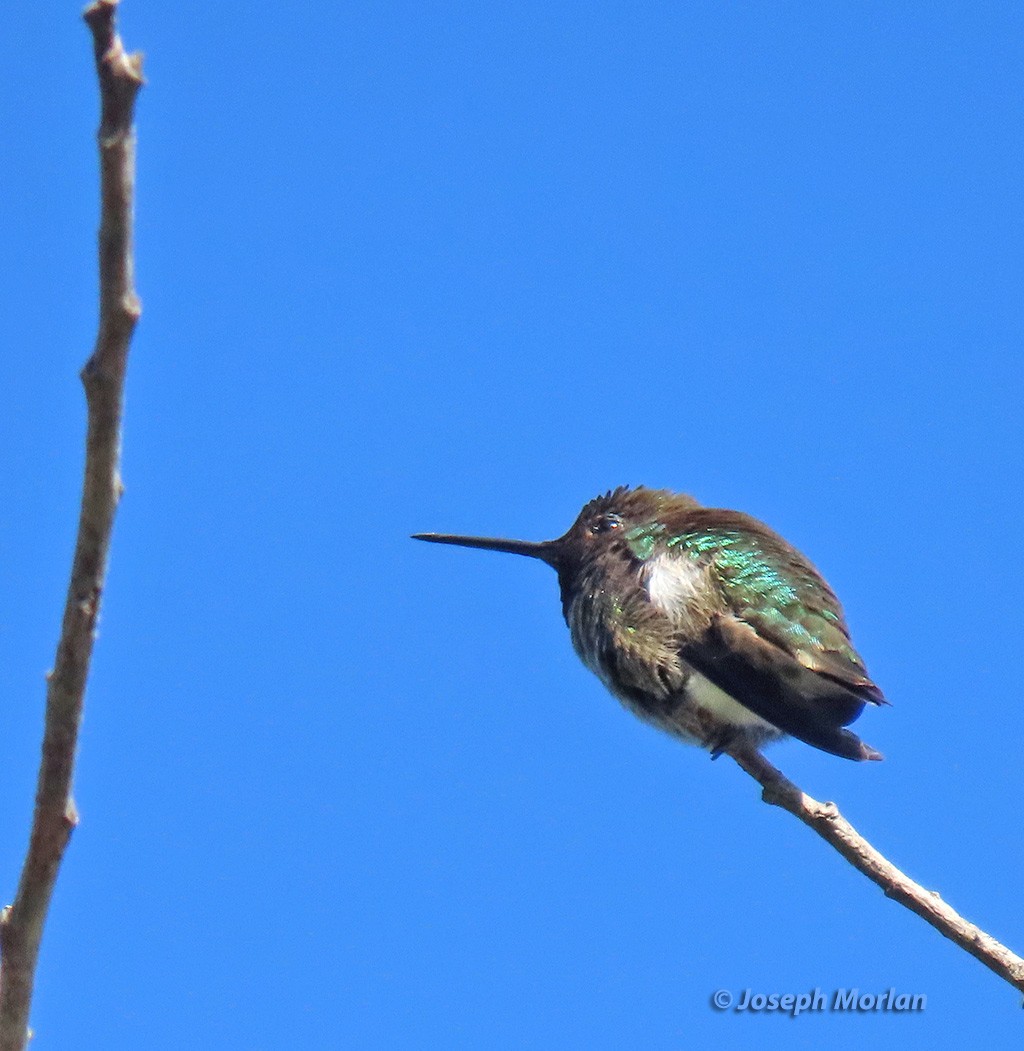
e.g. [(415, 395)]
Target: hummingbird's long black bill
[(545, 550)]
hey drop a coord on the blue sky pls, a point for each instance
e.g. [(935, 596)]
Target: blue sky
[(460, 267)]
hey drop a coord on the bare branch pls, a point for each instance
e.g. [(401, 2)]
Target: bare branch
[(826, 820), (21, 925)]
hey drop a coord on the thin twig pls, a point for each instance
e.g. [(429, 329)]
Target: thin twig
[(21, 925), (826, 820)]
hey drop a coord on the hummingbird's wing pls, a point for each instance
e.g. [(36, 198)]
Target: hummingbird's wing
[(770, 683), (779, 644)]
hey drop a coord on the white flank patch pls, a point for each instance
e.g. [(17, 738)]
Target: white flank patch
[(672, 582), (709, 697)]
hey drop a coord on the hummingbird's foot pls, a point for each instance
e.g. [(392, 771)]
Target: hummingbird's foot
[(722, 742)]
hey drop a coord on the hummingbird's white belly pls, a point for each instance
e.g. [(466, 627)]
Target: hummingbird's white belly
[(701, 713), (705, 694)]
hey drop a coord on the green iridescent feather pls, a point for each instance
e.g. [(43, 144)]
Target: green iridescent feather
[(768, 585)]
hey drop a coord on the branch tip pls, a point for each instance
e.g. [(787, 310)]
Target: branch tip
[(826, 820), (112, 62)]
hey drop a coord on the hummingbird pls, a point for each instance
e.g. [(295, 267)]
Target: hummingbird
[(704, 622)]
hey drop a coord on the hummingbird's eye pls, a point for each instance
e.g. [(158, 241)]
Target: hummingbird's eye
[(606, 523)]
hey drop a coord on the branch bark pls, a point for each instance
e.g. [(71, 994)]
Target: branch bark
[(55, 817), (825, 819)]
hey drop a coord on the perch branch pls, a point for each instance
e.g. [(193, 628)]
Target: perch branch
[(825, 819), (55, 816)]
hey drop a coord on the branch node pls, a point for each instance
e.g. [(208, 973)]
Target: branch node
[(131, 304), (71, 817)]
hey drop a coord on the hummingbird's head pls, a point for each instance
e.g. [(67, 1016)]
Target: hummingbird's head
[(611, 523), (603, 527)]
